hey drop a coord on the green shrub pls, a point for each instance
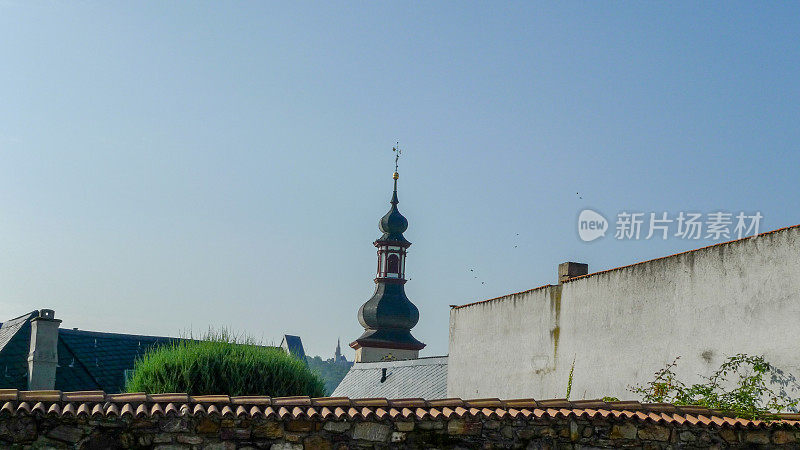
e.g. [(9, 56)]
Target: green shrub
[(220, 363), (741, 385)]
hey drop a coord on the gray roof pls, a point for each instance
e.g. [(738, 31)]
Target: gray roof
[(413, 378)]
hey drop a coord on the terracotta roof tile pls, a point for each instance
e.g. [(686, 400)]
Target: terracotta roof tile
[(370, 402), (134, 397), (169, 397), (49, 396), (83, 396), (331, 401), (96, 404), (8, 394), (212, 399), (484, 402)]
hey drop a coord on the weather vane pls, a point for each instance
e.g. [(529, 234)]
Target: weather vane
[(397, 152)]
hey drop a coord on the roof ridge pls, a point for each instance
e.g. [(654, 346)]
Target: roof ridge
[(24, 316), (112, 334)]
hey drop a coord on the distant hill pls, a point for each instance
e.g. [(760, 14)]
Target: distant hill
[(332, 373)]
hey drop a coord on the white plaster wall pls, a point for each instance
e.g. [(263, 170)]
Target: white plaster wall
[(622, 325)]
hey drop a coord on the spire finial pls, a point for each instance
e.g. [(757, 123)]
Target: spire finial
[(397, 153)]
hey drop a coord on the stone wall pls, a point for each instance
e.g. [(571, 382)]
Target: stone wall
[(215, 432), (621, 325)]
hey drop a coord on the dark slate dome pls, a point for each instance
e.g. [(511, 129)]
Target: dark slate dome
[(393, 224)]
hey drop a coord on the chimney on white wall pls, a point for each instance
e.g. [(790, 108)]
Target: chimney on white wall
[(43, 356), (569, 270)]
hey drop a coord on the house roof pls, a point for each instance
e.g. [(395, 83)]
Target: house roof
[(99, 358), (629, 265), (86, 359), (15, 335), (423, 377), (293, 345), (97, 404)]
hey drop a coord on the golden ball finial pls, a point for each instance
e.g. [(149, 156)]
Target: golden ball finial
[(396, 175)]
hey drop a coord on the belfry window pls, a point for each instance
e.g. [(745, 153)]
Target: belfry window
[(393, 264)]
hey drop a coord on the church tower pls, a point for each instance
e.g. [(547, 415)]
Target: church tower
[(337, 355), (389, 315)]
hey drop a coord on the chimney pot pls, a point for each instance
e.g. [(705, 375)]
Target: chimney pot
[(569, 270)]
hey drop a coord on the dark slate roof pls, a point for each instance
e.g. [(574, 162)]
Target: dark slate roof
[(413, 378), (101, 359), (87, 360), (293, 345), (15, 342)]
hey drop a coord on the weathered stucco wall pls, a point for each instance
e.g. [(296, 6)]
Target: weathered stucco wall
[(622, 325)]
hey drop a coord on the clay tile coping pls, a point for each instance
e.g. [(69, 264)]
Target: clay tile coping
[(694, 410), (40, 396), (84, 396), (409, 403), (660, 407), (520, 403), (446, 402), (211, 399), (84, 400), (9, 394), (169, 398), (251, 400), (484, 403), (128, 397), (555, 403), (591, 404), (370, 402), (292, 401), (330, 401), (630, 406)]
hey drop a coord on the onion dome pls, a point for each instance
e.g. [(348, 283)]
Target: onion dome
[(393, 224)]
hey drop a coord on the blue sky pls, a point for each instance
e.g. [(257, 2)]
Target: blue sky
[(173, 165)]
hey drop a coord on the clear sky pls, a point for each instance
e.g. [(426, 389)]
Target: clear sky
[(174, 165)]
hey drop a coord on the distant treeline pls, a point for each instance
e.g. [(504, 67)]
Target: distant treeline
[(330, 372)]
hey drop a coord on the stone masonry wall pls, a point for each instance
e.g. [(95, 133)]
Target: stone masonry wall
[(221, 433)]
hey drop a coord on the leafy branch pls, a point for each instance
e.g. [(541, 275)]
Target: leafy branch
[(738, 386)]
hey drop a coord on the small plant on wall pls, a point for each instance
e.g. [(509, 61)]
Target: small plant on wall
[(741, 385)]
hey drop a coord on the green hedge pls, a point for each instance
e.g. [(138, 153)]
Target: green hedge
[(222, 364)]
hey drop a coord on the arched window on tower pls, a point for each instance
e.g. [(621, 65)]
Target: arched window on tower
[(393, 264)]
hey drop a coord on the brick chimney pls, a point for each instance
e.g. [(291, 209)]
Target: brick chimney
[(569, 270), (43, 356)]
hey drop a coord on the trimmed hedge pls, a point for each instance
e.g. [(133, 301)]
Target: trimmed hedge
[(222, 364)]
